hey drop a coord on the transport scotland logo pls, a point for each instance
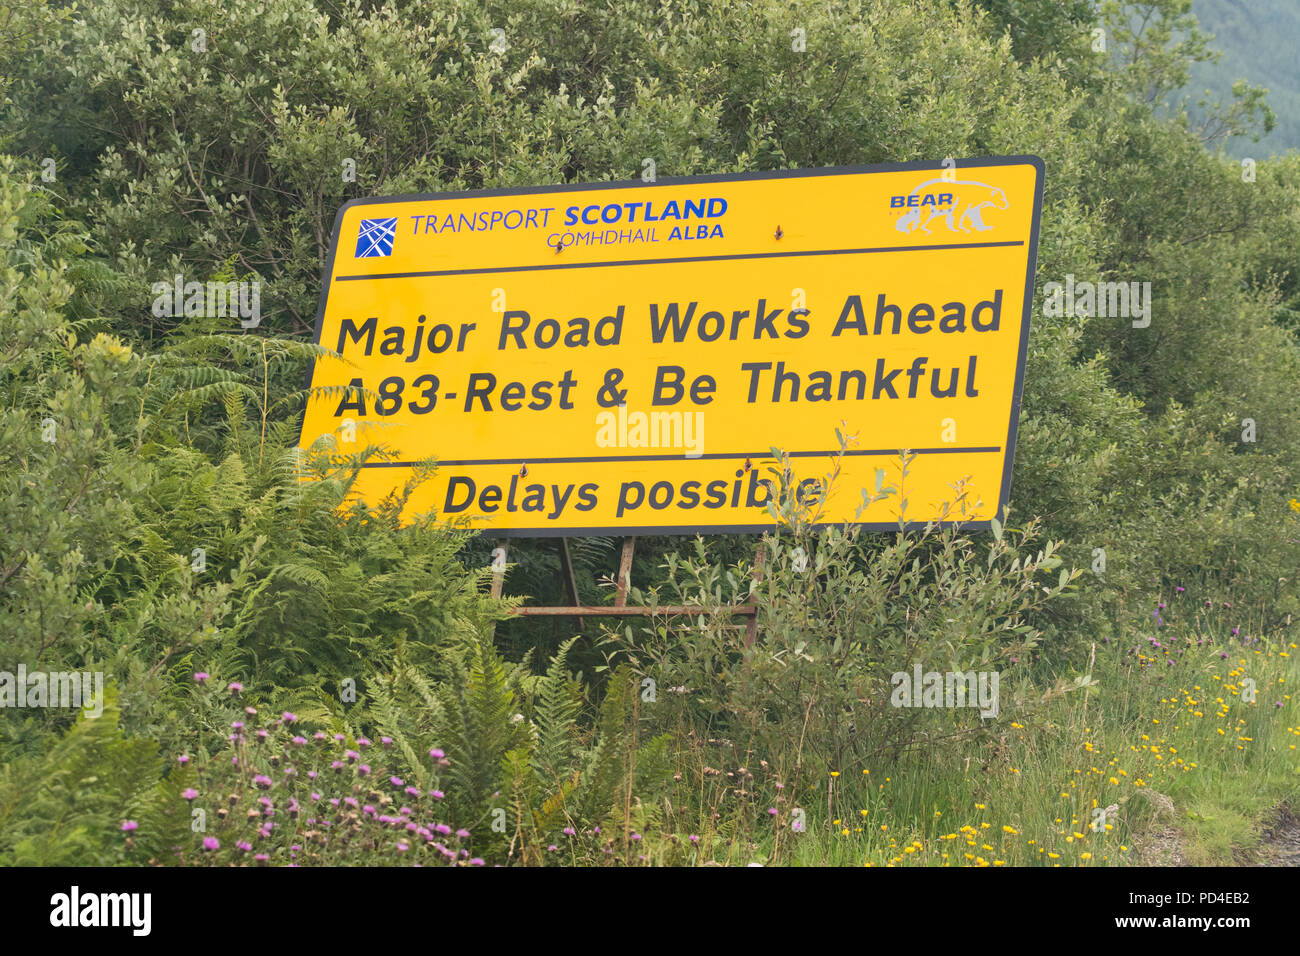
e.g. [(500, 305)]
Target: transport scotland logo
[(375, 238)]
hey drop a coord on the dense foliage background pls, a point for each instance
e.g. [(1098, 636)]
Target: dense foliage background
[(146, 138)]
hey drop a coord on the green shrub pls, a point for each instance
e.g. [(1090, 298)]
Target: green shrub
[(838, 616)]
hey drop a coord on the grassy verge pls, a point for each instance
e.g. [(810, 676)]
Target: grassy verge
[(1190, 742), (1177, 747)]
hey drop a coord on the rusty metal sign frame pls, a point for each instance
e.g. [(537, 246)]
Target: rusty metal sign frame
[(620, 607)]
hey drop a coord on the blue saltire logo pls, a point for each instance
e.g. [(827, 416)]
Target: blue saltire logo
[(375, 239)]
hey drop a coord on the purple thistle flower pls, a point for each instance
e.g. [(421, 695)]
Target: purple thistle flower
[(436, 754), (386, 741), (262, 781), (438, 794), (288, 718), (200, 677), (182, 760), (397, 781), (211, 843), (464, 834), (189, 793), (234, 687), (244, 846), (129, 825)]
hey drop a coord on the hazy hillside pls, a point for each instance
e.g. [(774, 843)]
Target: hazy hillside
[(1258, 40)]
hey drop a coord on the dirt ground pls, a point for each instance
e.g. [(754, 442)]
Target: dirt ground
[(1279, 844), (1282, 838)]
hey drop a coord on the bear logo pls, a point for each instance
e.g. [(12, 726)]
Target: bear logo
[(961, 206)]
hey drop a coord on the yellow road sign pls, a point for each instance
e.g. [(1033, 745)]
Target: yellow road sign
[(608, 358)]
